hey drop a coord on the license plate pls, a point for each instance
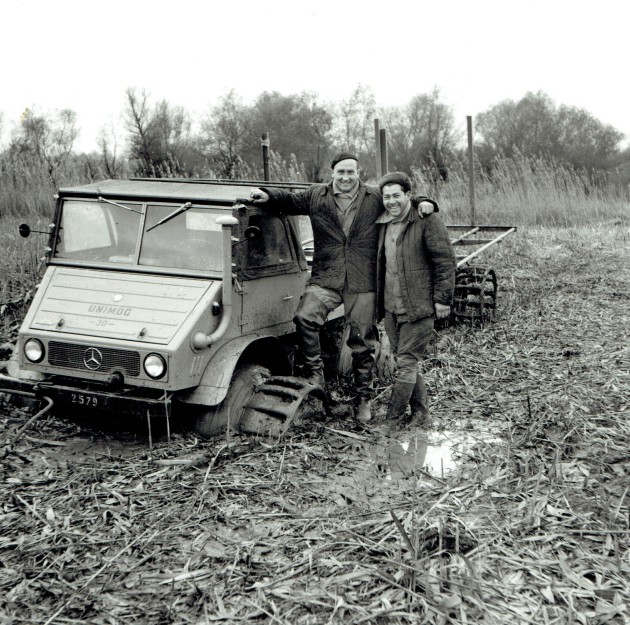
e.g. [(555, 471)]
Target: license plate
[(81, 399)]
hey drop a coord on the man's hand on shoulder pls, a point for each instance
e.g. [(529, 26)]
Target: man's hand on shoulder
[(442, 311), (425, 208), (424, 205), (259, 196)]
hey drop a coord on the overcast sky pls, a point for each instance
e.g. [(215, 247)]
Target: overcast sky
[(83, 54)]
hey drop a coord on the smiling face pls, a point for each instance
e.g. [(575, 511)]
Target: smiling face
[(395, 199), (346, 174)]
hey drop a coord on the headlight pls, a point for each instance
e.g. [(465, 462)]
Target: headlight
[(34, 350), (155, 366)]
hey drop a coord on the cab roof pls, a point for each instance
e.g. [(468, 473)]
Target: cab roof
[(176, 189)]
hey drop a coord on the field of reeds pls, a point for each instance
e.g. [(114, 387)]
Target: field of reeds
[(525, 191), (530, 191), (513, 509)]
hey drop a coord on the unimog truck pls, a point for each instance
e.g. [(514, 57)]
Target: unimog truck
[(168, 298)]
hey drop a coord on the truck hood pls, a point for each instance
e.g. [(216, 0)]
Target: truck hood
[(116, 305)]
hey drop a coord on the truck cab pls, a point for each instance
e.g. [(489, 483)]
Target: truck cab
[(163, 295)]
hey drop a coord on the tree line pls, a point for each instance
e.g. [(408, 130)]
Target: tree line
[(163, 140)]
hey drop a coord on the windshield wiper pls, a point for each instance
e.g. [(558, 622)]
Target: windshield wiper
[(178, 211), (133, 210)]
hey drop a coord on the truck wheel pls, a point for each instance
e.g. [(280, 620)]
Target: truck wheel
[(214, 420)]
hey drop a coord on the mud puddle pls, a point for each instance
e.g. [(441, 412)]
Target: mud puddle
[(75, 439), (426, 454)]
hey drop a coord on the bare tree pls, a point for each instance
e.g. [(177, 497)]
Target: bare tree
[(142, 143), (318, 120), (159, 136), (108, 149), (354, 130), (223, 134), (297, 125), (48, 138), (421, 134), (527, 126)]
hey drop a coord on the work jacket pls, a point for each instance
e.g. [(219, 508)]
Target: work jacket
[(339, 261), (426, 266)]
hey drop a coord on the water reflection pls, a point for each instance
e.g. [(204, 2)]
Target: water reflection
[(422, 453), (406, 457)]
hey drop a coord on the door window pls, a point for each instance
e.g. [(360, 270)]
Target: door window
[(270, 247)]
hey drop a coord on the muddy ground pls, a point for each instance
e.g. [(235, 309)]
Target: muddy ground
[(514, 508)]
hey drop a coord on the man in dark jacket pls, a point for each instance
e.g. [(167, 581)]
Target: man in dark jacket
[(416, 280), (343, 216)]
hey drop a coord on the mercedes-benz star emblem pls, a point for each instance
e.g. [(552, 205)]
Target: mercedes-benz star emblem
[(92, 358)]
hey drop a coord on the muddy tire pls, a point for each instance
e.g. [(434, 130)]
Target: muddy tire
[(212, 421), (282, 402)]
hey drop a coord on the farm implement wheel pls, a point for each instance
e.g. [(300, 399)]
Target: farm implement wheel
[(475, 293)]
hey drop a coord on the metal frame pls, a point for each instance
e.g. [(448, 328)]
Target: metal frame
[(466, 239)]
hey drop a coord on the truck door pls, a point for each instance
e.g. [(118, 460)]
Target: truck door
[(272, 280)]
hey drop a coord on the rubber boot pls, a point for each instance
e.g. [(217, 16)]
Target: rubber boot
[(316, 377), (399, 400), (419, 403), (363, 373), (308, 334), (363, 380)]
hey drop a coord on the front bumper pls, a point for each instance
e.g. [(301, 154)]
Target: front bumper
[(91, 397)]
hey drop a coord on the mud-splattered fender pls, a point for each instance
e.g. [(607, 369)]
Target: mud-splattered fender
[(261, 349)]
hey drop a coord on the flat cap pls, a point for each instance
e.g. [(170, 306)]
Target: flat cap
[(342, 156), (395, 177)]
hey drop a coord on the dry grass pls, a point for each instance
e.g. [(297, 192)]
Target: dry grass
[(533, 527), (21, 267), (530, 191)]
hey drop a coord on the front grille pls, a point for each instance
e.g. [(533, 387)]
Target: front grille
[(88, 358)]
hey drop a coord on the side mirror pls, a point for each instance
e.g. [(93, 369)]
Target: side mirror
[(25, 230), (252, 233)]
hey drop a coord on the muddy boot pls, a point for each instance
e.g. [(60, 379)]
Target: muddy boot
[(363, 385), (308, 335), (398, 402), (362, 361), (419, 403), (363, 410), (315, 375)]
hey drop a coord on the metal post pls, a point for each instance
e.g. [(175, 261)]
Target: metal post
[(471, 170), (377, 145), (383, 146), (264, 142)]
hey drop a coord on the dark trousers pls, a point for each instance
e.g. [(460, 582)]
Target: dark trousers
[(408, 340), (359, 310)]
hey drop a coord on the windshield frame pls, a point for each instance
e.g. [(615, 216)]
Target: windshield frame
[(141, 206)]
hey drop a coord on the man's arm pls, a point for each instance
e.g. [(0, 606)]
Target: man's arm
[(441, 253), (281, 200)]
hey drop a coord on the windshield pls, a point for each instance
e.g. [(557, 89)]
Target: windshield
[(192, 240), (105, 232)]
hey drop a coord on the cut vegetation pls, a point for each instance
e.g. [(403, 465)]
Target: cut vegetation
[(530, 523)]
